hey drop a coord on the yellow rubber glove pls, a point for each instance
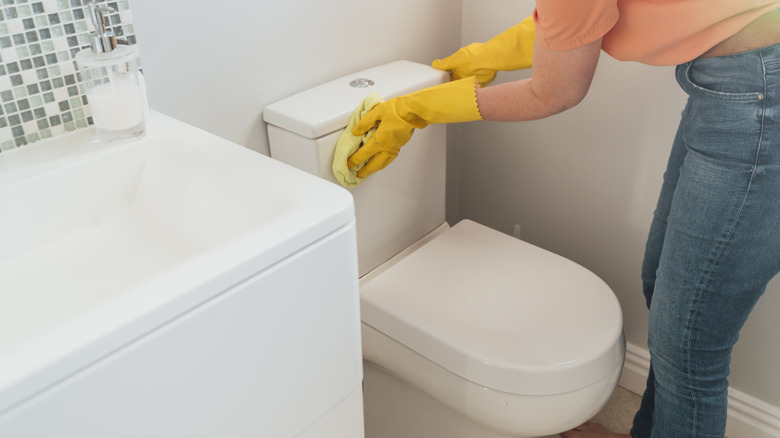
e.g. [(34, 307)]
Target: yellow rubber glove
[(398, 117), (511, 50)]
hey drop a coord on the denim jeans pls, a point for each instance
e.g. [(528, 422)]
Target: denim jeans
[(714, 242)]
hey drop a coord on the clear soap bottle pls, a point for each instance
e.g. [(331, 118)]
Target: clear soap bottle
[(114, 88)]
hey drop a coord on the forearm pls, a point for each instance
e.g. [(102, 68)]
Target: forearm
[(516, 101), (560, 80)]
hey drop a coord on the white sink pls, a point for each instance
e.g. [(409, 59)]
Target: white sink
[(102, 244)]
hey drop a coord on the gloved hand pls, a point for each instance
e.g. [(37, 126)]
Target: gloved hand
[(398, 117), (511, 50)]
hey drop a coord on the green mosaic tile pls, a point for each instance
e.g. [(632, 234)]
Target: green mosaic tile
[(20, 92), (23, 52), (24, 11), (7, 145), (66, 16)]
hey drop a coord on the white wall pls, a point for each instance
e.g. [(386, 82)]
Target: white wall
[(217, 64), (584, 184)]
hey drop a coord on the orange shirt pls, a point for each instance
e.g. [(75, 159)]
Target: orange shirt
[(656, 32)]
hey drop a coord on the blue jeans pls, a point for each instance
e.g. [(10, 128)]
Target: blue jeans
[(714, 242)]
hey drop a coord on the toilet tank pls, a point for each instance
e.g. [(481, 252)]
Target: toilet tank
[(394, 207)]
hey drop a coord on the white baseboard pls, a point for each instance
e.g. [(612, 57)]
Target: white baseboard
[(636, 369), (748, 417)]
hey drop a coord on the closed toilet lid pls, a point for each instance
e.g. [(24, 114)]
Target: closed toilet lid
[(500, 312)]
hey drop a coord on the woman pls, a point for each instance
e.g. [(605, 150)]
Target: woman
[(715, 238)]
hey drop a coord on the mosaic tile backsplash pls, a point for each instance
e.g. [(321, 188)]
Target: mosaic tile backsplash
[(40, 92)]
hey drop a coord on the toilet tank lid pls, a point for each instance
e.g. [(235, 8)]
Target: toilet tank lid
[(327, 108)]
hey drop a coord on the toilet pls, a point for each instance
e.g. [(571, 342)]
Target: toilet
[(466, 331)]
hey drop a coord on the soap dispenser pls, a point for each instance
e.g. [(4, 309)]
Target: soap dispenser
[(114, 88)]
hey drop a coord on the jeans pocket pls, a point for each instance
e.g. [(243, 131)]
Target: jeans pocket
[(704, 78), (723, 120)]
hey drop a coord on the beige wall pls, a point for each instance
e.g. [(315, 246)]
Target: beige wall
[(584, 184)]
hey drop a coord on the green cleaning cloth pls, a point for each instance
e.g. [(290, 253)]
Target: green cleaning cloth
[(347, 144)]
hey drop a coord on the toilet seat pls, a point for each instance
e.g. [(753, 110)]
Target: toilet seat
[(499, 312)]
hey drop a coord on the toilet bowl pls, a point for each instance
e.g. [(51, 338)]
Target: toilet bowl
[(466, 331), (517, 339)]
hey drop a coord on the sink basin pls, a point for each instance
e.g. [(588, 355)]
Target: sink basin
[(102, 243)]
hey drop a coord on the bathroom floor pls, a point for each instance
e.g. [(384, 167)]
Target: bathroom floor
[(619, 412), (618, 415)]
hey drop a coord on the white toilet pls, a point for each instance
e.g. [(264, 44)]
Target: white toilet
[(467, 332)]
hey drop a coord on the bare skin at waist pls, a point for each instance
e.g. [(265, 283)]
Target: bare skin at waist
[(761, 32)]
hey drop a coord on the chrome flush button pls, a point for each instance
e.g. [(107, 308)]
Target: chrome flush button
[(361, 83)]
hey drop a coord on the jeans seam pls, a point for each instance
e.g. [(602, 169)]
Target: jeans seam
[(689, 349), (762, 124)]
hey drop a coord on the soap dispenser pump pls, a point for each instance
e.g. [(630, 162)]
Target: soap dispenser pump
[(114, 89)]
